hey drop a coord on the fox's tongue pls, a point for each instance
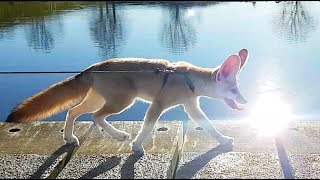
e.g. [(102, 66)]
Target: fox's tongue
[(231, 103)]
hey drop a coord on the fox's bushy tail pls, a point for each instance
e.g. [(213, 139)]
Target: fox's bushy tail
[(51, 101)]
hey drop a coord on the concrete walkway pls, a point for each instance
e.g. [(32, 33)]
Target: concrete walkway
[(175, 150)]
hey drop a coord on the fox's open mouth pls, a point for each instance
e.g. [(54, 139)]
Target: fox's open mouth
[(232, 103)]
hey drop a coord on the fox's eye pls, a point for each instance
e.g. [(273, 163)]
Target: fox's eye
[(234, 91)]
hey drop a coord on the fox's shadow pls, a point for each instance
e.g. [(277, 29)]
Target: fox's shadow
[(69, 149), (127, 169), (188, 170), (108, 164)]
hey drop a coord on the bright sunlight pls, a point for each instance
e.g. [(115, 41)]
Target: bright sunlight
[(270, 115), (190, 12)]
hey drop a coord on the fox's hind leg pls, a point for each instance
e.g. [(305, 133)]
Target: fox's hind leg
[(116, 105), (92, 102)]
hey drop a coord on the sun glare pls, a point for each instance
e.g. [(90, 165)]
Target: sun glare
[(190, 12), (270, 115)]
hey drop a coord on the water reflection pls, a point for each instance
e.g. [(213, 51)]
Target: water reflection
[(7, 32), (294, 23), (254, 4), (107, 30), (40, 32), (39, 36), (178, 34)]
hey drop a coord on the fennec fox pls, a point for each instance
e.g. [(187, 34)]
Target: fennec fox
[(157, 81)]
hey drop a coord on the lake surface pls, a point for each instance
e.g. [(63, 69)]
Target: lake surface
[(283, 40)]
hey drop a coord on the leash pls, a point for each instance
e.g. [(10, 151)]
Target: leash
[(167, 73)]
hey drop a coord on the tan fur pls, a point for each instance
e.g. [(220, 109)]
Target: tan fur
[(48, 102), (141, 64)]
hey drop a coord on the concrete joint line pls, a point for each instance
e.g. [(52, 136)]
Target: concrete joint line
[(177, 154)]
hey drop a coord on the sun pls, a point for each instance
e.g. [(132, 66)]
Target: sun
[(270, 115), (190, 12)]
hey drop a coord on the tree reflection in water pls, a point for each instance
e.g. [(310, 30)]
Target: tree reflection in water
[(178, 34), (294, 23), (42, 21), (39, 36), (106, 30)]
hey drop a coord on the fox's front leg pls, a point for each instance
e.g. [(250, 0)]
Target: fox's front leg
[(151, 117), (194, 111)]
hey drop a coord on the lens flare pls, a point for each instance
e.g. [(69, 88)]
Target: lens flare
[(270, 115)]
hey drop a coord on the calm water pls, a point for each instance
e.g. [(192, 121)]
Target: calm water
[(283, 40)]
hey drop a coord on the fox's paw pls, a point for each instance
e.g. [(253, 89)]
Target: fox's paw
[(226, 140), (122, 136), (137, 149), (72, 140)]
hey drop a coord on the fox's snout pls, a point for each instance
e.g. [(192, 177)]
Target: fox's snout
[(240, 99)]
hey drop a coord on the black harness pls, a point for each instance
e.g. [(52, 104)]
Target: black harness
[(169, 72)]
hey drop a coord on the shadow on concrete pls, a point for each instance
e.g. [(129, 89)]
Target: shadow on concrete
[(108, 164), (188, 170), (127, 170), (284, 160), (69, 149)]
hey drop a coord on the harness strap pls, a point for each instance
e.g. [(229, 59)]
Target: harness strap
[(169, 72)]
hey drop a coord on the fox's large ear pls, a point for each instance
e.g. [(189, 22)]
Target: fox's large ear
[(229, 69), (243, 54)]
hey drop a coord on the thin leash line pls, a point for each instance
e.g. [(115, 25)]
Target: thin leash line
[(74, 72)]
